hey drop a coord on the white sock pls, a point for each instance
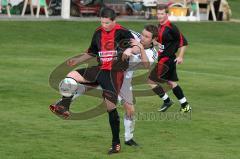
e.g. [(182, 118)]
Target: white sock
[(165, 96), (183, 100), (129, 128)]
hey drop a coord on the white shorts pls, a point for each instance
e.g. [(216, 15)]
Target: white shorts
[(126, 89)]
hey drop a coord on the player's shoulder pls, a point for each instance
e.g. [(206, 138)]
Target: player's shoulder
[(123, 31), (120, 27), (172, 26), (97, 31), (99, 28), (135, 34)]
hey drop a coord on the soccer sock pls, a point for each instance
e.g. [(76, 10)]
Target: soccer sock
[(129, 127), (65, 101), (115, 125), (178, 92), (160, 92)]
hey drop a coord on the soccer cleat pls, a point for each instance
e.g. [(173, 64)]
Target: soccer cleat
[(60, 110), (131, 142), (165, 106), (114, 149), (186, 109)]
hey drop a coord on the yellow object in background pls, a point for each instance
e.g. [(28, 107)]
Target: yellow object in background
[(178, 11), (154, 12)]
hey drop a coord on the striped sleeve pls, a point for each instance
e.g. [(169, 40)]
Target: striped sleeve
[(178, 36), (136, 35)]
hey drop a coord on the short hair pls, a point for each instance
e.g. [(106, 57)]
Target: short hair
[(108, 13), (152, 29), (163, 7)]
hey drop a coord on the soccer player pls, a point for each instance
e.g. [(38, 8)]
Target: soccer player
[(145, 57), (170, 41), (107, 44)]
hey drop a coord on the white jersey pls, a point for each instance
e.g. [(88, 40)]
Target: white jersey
[(134, 62)]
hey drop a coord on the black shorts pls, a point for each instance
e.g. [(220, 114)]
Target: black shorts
[(110, 81), (164, 70)]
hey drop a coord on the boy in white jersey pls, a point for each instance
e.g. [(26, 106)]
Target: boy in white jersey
[(145, 56)]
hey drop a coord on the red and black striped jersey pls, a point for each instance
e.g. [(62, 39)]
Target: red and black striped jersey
[(107, 45), (170, 39)]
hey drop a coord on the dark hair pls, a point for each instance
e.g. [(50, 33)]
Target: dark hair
[(152, 29), (163, 7), (107, 13)]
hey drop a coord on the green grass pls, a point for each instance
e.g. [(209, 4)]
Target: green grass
[(234, 5), (29, 51)]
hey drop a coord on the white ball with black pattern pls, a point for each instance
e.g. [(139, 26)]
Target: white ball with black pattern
[(68, 87)]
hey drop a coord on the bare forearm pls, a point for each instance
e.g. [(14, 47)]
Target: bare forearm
[(140, 49), (79, 59), (144, 58), (83, 57), (179, 59), (181, 51)]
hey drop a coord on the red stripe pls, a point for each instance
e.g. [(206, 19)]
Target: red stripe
[(181, 40), (161, 30), (161, 66), (160, 35), (108, 44), (118, 80)]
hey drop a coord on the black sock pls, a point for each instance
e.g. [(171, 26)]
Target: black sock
[(65, 101), (160, 92), (178, 92), (115, 126)]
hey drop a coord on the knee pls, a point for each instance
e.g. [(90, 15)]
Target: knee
[(151, 83), (75, 75), (110, 103), (129, 109), (172, 84)]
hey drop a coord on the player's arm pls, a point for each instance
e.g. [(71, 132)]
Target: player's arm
[(182, 42), (79, 59), (181, 52), (138, 48)]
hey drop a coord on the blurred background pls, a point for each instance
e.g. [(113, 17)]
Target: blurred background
[(179, 10)]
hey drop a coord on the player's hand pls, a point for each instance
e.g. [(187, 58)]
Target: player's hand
[(138, 45), (72, 62), (126, 54), (179, 60), (159, 45), (155, 43)]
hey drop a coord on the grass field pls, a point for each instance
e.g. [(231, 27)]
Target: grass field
[(29, 51), (235, 4)]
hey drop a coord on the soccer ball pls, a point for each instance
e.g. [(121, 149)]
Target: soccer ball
[(68, 87)]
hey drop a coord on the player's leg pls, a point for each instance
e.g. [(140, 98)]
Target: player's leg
[(178, 92), (110, 94), (114, 121), (157, 76), (127, 100), (62, 106), (129, 124)]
